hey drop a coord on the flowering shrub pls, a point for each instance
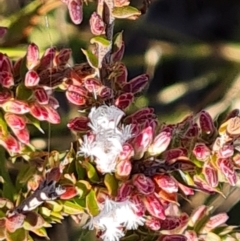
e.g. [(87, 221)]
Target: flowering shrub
[(126, 171)]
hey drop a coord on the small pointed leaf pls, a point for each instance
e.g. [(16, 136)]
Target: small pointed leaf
[(91, 58)]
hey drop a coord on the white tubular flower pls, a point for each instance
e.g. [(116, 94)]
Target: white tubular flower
[(114, 218), (108, 139)]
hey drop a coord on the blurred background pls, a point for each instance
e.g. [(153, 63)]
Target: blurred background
[(189, 48)]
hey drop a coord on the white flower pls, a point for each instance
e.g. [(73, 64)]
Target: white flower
[(108, 137), (105, 117), (113, 218)]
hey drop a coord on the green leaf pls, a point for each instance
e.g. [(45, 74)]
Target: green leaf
[(91, 203), (80, 170), (57, 215), (91, 58), (101, 40), (45, 211), (40, 232), (118, 39), (212, 237), (111, 183), (128, 12), (33, 221), (22, 92), (91, 171), (72, 208), (19, 235), (23, 68), (3, 126), (55, 206), (83, 188), (35, 122), (26, 172)]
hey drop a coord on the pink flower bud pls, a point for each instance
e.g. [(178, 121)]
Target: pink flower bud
[(139, 205), (160, 143), (10, 144), (6, 79), (174, 154), (198, 214), (53, 102), (171, 222), (191, 235), (38, 111), (123, 169), (142, 142), (105, 92), (70, 192), (126, 153), (14, 121), (153, 223), (47, 58), (166, 183), (75, 11), (143, 184), (76, 95), (5, 95), (227, 150), (173, 237), (201, 184), (121, 3), (22, 135), (186, 190), (32, 58), (232, 114), (137, 84), (206, 123), (117, 55), (63, 56), (31, 79), (92, 85), (201, 151), (233, 126), (79, 124), (124, 100), (227, 169), (120, 75), (216, 221), (140, 115), (124, 191), (53, 116), (14, 222), (96, 24), (192, 132), (3, 31), (236, 160), (210, 174), (41, 95), (5, 63), (153, 206), (16, 107)]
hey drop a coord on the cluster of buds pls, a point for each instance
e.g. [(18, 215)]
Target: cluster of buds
[(25, 95)]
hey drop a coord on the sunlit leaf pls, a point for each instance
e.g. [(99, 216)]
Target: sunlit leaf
[(91, 171), (72, 208), (91, 203), (124, 12), (100, 40), (111, 183), (91, 58)]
